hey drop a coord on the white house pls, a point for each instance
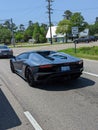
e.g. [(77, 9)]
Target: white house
[(60, 38), (55, 37), (84, 33)]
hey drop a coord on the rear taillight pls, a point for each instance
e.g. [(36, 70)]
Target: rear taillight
[(80, 62), (45, 66)]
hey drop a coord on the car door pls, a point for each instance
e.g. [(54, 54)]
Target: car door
[(19, 62)]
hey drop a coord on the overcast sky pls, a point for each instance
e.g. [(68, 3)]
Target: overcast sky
[(21, 11)]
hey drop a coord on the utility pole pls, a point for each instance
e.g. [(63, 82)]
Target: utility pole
[(13, 39), (49, 13)]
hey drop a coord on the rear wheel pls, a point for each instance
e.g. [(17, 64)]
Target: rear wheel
[(12, 67), (30, 78)]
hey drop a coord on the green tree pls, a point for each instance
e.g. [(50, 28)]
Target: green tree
[(19, 36), (30, 23), (64, 27), (21, 28), (7, 24), (43, 31), (78, 20), (5, 35), (67, 14), (93, 29), (10, 25), (29, 31), (36, 32)]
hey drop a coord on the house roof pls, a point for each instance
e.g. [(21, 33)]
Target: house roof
[(54, 35), (84, 33)]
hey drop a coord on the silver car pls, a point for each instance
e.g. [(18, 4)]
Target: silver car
[(5, 51)]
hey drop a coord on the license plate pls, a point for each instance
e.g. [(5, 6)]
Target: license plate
[(65, 68), (4, 53)]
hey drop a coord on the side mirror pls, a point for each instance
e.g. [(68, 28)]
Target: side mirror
[(14, 57)]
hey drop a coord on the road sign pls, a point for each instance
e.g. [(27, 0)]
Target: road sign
[(74, 30)]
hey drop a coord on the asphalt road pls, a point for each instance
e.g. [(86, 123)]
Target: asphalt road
[(54, 106)]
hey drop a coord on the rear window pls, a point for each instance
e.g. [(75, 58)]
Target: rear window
[(51, 55), (3, 47), (45, 53)]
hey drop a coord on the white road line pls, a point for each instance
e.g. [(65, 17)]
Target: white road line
[(96, 75), (32, 120)]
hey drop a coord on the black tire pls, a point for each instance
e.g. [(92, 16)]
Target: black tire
[(30, 78), (12, 67)]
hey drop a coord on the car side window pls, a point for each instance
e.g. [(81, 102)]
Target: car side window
[(23, 56)]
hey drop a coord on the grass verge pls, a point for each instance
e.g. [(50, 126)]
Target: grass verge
[(83, 52)]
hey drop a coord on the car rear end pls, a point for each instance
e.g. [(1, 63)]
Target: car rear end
[(6, 52), (70, 70)]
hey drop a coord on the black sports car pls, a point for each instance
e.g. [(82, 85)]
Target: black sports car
[(43, 65), (5, 51)]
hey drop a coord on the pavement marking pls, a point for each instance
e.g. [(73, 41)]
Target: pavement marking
[(32, 120), (96, 75)]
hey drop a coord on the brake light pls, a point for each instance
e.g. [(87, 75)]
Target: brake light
[(80, 62), (45, 66)]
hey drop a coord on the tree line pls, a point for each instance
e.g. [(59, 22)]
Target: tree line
[(38, 31), (33, 31), (75, 20)]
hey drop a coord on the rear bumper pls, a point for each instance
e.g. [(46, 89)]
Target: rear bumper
[(6, 55), (58, 75)]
